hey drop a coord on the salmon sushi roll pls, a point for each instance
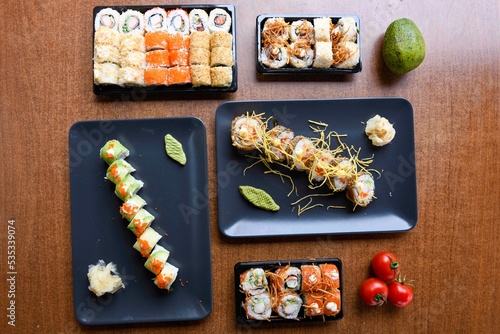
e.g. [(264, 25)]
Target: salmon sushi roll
[(361, 189), (277, 139), (247, 132), (179, 57), (330, 275), (178, 41), (156, 76), (311, 277), (179, 75), (253, 281), (198, 20), (156, 40), (288, 305), (156, 19), (331, 304), (288, 278), (313, 304), (219, 20), (258, 307), (178, 22), (158, 58)]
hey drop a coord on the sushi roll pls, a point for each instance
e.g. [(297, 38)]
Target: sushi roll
[(300, 152), (156, 76), (313, 304), (247, 132), (288, 278), (275, 30), (157, 58), (221, 56), (332, 303), (107, 17), (200, 39), (156, 40), (113, 150), (322, 29), (147, 241), (166, 277), (178, 22), (323, 55), (141, 221), (107, 36), (288, 305), (322, 165), (157, 259), (200, 75), (198, 20), (276, 140), (302, 30), (131, 207), (131, 76), (301, 54), (106, 54), (253, 281), (178, 41), (361, 189), (221, 39), (131, 21), (128, 187), (106, 73), (345, 55), (155, 19), (221, 76), (219, 20), (258, 307), (199, 56), (311, 277), (347, 29), (132, 42), (117, 171), (135, 59), (274, 56), (179, 75), (330, 275), (179, 57), (341, 174)]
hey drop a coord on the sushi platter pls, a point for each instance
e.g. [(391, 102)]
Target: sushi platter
[(393, 209), (288, 291), (164, 49), (308, 44)]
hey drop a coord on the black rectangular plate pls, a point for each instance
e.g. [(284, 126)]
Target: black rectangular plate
[(261, 19), (176, 195), (394, 209), (176, 89), (240, 267)]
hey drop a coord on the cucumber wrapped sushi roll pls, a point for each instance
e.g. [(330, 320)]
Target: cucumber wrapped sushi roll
[(219, 20), (131, 207), (132, 21), (332, 303), (288, 305), (157, 259), (147, 241), (128, 187), (361, 189), (258, 307), (253, 281), (107, 17), (276, 141), (178, 22), (247, 132), (118, 170), (141, 221), (301, 151), (113, 150), (274, 56), (198, 20), (166, 277), (156, 19)]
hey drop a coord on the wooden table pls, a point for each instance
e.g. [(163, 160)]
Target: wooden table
[(452, 254)]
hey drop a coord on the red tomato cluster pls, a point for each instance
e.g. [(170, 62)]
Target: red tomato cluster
[(387, 285)]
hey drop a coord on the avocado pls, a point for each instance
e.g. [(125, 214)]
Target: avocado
[(404, 46)]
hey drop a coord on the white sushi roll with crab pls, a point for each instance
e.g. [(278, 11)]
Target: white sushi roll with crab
[(361, 189), (301, 54), (198, 20), (132, 21), (253, 281), (274, 56), (156, 19), (288, 305), (178, 22), (346, 55), (258, 307), (107, 17), (347, 28), (301, 153), (302, 30), (247, 132), (288, 278), (219, 20)]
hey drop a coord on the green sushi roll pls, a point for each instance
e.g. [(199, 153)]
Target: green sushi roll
[(113, 150), (147, 241), (166, 277), (118, 170), (141, 221), (156, 260), (128, 187), (131, 207)]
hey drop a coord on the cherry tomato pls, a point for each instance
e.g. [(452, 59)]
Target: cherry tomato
[(374, 291), (385, 266), (400, 294)]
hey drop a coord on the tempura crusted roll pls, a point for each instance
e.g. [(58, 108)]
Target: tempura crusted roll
[(247, 132), (106, 73), (117, 171), (166, 277), (107, 17), (221, 76), (253, 281), (178, 20), (300, 152), (107, 36), (361, 189), (200, 75), (132, 42), (258, 307), (221, 39), (221, 56), (132, 21), (323, 55), (288, 305), (128, 187), (106, 54), (157, 259), (147, 241), (198, 20), (200, 39), (155, 19), (322, 29), (140, 222), (199, 56), (219, 20), (113, 150), (277, 139), (131, 207), (134, 59), (131, 76)]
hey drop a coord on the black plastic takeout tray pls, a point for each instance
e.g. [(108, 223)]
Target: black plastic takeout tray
[(261, 19), (240, 267), (141, 91)]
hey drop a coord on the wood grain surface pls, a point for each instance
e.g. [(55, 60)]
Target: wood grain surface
[(452, 255)]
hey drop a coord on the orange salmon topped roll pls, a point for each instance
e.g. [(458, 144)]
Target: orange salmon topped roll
[(156, 40), (311, 277), (331, 276), (158, 58), (313, 304), (178, 41), (156, 76), (179, 57), (331, 304), (179, 75)]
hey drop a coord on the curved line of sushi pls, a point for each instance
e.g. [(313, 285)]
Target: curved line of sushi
[(302, 44), (324, 165), (163, 47), (286, 290), (119, 172)]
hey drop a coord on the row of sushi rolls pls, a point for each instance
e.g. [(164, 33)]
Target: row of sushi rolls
[(325, 166), (304, 44), (163, 47), (283, 291), (119, 172)]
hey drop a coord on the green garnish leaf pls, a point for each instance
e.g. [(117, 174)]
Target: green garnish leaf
[(259, 198), (174, 149)]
